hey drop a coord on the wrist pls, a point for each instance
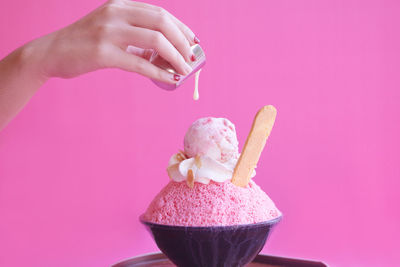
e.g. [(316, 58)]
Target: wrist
[(30, 60)]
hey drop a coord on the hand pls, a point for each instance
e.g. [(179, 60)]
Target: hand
[(119, 34), (101, 40)]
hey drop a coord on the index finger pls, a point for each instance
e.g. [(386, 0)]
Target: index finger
[(190, 36)]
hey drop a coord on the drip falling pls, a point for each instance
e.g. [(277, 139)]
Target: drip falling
[(196, 86)]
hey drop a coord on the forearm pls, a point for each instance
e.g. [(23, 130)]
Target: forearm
[(21, 75)]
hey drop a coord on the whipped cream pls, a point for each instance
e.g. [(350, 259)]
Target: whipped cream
[(201, 169)]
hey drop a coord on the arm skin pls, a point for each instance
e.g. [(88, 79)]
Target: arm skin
[(20, 77), (118, 34)]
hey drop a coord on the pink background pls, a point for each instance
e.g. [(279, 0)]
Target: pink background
[(81, 162)]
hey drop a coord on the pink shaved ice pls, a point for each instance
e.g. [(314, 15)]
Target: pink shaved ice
[(213, 204), (214, 137)]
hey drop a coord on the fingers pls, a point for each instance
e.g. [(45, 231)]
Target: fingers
[(190, 36), (137, 29), (163, 23), (129, 62), (149, 39)]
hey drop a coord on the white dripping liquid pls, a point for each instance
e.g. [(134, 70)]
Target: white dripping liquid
[(196, 85)]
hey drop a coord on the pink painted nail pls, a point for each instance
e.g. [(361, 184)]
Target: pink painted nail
[(196, 40), (193, 58), (177, 77)]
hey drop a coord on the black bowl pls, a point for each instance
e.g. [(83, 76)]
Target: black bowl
[(187, 246)]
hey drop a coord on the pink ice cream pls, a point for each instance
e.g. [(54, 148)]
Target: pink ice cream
[(214, 137), (209, 201)]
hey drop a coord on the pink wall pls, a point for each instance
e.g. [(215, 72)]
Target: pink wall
[(81, 162)]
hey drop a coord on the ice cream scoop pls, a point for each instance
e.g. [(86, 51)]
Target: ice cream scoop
[(210, 153), (214, 137)]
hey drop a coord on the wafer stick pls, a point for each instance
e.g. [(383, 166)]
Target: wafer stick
[(255, 142)]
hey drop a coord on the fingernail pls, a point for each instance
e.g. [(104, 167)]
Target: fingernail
[(196, 40), (193, 58), (177, 77)]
